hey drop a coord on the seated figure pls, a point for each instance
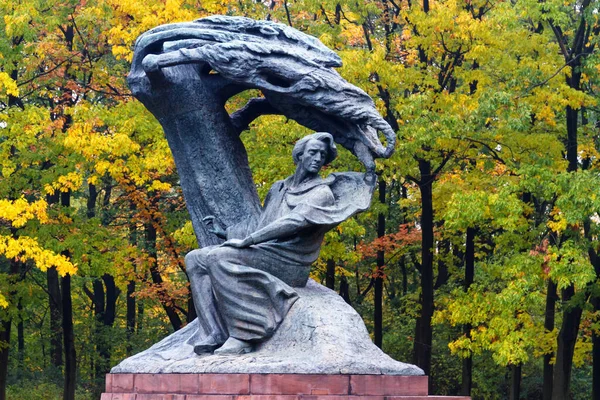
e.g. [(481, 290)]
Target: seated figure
[(242, 288)]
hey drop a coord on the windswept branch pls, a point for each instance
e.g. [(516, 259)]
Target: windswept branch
[(256, 107), (294, 72)]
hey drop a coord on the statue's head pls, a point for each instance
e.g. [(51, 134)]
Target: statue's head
[(323, 137)]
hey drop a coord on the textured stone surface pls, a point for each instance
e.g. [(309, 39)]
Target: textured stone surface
[(320, 335), (299, 384), (388, 385)]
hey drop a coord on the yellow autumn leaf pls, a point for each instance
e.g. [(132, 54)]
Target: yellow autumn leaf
[(3, 302), (8, 85), (26, 248), (19, 211)]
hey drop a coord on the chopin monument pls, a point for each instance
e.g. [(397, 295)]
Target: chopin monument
[(259, 316)]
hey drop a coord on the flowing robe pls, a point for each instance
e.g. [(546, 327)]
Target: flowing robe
[(246, 292)]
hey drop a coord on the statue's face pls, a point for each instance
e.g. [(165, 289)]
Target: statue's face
[(314, 155)]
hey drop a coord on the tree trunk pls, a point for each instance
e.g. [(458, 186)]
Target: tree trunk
[(69, 340), (345, 290), (595, 300), (104, 304), (572, 139), (423, 335), (112, 293), (99, 336), (20, 336), (55, 306), (67, 323), (191, 309), (567, 338), (378, 284), (130, 304), (130, 315), (443, 273), (4, 351), (549, 326), (515, 382), (467, 367), (140, 317), (596, 355), (404, 276), (54, 300), (330, 274), (5, 328), (571, 314), (157, 279), (105, 312)]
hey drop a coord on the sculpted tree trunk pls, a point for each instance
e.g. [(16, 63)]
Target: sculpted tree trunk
[(207, 150)]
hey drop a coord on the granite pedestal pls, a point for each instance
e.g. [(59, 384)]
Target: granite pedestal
[(267, 387)]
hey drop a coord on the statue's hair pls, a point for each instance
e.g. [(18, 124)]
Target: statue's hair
[(323, 137)]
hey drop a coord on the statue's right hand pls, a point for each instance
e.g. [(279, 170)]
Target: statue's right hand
[(214, 227)]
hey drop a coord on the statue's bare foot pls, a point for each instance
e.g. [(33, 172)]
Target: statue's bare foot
[(234, 346)]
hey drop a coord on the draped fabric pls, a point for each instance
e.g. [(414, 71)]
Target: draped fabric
[(246, 292), (240, 301)]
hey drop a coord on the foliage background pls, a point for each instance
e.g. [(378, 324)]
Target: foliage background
[(496, 172)]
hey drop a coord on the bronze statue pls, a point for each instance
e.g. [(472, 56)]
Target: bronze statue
[(242, 288), (251, 292)]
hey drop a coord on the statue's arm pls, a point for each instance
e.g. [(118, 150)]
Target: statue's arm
[(294, 222), (242, 229), (286, 226)]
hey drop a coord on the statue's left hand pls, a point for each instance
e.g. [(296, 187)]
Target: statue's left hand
[(237, 243)]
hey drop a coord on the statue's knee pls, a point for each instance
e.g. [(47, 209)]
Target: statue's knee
[(213, 256), (220, 254), (195, 260)]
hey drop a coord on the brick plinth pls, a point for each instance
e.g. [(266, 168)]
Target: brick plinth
[(267, 387)]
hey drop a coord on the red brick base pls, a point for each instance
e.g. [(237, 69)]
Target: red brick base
[(267, 387)]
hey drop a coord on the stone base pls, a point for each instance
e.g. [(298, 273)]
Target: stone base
[(267, 387), (321, 335)]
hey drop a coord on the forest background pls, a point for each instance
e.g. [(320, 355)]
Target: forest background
[(478, 260)]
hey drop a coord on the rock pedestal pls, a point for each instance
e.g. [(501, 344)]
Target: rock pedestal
[(321, 351), (267, 387), (321, 334)]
